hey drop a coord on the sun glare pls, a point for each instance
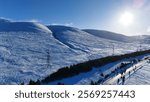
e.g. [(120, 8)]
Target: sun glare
[(126, 18)]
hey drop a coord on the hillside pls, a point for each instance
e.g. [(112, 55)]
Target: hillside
[(31, 50), (91, 45), (109, 35), (10, 26)]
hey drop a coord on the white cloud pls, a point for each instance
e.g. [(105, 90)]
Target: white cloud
[(33, 20), (65, 24)]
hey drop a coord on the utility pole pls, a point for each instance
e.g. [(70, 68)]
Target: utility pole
[(113, 49), (48, 59)]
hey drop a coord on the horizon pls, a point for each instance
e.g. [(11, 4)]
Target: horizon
[(127, 17), (11, 20)]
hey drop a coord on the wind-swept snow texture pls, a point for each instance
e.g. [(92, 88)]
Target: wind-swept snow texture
[(30, 50)]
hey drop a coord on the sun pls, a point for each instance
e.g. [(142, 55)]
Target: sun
[(126, 18)]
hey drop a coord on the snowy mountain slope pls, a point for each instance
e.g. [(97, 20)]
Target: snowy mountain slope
[(24, 56), (89, 44), (145, 39), (30, 50), (9, 26), (109, 35), (2, 20), (75, 38)]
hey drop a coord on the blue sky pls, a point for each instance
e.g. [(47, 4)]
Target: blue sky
[(94, 14)]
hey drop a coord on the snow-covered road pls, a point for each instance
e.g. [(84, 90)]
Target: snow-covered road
[(132, 69), (140, 77)]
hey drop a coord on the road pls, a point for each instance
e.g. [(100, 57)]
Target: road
[(112, 81)]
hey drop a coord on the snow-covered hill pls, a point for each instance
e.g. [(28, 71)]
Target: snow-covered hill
[(78, 40), (146, 39), (92, 45), (9, 26), (30, 50), (109, 35)]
